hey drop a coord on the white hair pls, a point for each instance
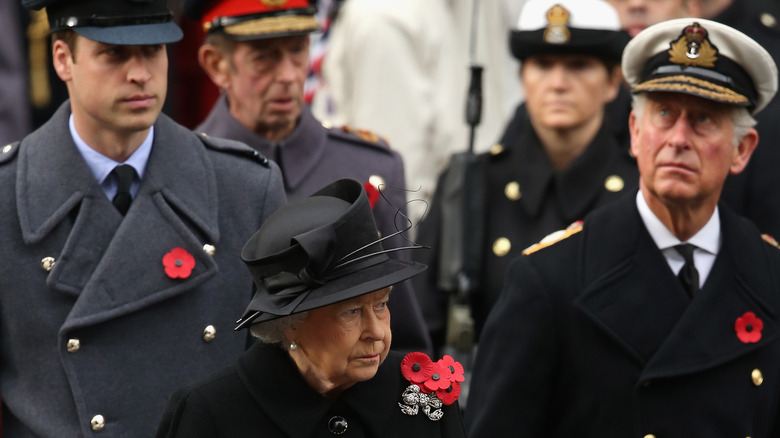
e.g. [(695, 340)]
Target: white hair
[(272, 332), (741, 118)]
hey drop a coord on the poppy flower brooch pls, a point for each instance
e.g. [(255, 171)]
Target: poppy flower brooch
[(178, 263), (748, 328), (433, 384)]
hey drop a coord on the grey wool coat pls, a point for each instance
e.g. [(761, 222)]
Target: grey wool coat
[(313, 156), (99, 341)]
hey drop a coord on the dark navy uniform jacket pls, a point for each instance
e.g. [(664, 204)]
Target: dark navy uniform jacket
[(524, 199), (313, 156), (94, 334), (264, 395), (594, 336)]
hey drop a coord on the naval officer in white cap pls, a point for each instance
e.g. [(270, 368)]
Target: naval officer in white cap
[(658, 317)]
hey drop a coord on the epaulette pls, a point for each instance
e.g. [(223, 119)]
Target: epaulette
[(770, 240), (554, 238), (8, 152), (497, 151), (232, 147), (358, 136)]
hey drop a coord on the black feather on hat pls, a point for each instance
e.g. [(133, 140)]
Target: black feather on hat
[(318, 251)]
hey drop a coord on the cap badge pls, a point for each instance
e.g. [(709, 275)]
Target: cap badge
[(273, 3), (693, 48), (557, 32)]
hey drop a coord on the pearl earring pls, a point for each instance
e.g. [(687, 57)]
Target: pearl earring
[(293, 346)]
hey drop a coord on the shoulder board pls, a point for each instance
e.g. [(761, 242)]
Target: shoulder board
[(232, 147), (553, 238), (770, 240), (359, 136), (8, 152)]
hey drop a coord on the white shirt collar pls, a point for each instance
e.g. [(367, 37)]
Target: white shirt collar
[(101, 166), (707, 239)]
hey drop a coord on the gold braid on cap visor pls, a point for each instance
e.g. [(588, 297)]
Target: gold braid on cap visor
[(271, 25), (693, 85)]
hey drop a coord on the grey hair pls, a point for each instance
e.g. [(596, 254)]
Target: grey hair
[(741, 118), (272, 332)]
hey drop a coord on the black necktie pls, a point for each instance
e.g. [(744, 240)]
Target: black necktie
[(689, 276), (124, 179)]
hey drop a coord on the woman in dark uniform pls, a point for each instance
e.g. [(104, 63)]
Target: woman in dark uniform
[(555, 162), (323, 365)]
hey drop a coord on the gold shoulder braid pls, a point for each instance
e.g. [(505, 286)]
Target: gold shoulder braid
[(554, 238), (770, 240)]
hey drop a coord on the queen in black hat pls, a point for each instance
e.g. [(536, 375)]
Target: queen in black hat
[(323, 364)]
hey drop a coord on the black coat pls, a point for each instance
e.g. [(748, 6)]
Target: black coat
[(264, 395), (594, 336), (548, 201)]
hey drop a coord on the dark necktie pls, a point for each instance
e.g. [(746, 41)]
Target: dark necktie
[(689, 276), (124, 179)]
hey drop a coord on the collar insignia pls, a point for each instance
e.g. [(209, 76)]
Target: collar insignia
[(693, 48), (557, 32)]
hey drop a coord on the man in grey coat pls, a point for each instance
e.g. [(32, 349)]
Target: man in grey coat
[(120, 277), (257, 54)]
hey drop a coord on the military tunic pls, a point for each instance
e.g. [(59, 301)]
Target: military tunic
[(95, 335), (313, 156), (594, 336), (523, 200), (264, 395)]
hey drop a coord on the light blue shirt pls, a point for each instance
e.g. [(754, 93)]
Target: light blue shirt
[(707, 240), (101, 166)]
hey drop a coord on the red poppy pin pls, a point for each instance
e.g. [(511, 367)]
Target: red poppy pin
[(433, 384), (178, 263), (748, 328), (372, 192)]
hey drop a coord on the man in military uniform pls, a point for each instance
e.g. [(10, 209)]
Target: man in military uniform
[(556, 160), (659, 316), (121, 231), (257, 52)]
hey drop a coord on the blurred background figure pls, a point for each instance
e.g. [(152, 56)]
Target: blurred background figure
[(753, 193), (257, 53), (400, 69), (30, 90), (636, 15), (557, 160), (323, 365)]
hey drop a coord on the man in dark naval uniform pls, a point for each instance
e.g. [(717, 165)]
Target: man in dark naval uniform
[(556, 160), (659, 316), (120, 277), (257, 53)]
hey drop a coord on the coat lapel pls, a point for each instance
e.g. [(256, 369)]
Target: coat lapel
[(114, 264), (739, 282), (632, 295), (54, 185), (628, 288)]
